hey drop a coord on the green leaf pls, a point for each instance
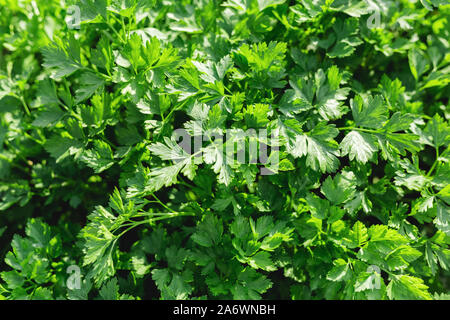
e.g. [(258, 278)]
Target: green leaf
[(442, 220), (47, 92), (208, 232), (61, 147), (48, 116), (413, 178), (359, 146), (13, 279), (82, 293), (431, 258), (370, 112), (401, 257), (161, 277), (168, 151), (345, 31), (353, 8), (100, 158), (264, 64), (397, 143), (319, 207), (98, 244), (212, 72), (399, 122), (63, 59), (338, 189), (339, 271), (320, 149), (17, 193), (357, 236), (176, 256), (110, 290), (90, 84), (39, 232), (166, 176), (405, 287), (444, 194), (257, 115), (383, 233), (250, 285), (140, 266), (214, 154), (368, 281), (436, 133), (42, 294), (91, 9), (418, 63), (262, 260)]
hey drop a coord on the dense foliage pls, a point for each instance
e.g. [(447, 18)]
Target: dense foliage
[(351, 202)]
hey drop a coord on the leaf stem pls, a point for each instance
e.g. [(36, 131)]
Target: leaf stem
[(135, 224), (161, 203), (115, 31), (434, 164), (358, 129), (24, 104)]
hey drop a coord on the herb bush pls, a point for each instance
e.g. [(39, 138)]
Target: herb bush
[(351, 201)]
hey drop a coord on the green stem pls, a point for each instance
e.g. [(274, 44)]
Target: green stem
[(104, 76), (161, 203), (24, 104), (19, 152), (12, 163), (127, 35), (115, 31), (358, 129), (184, 183), (150, 214), (108, 35), (26, 134), (138, 223), (167, 118), (434, 164)]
